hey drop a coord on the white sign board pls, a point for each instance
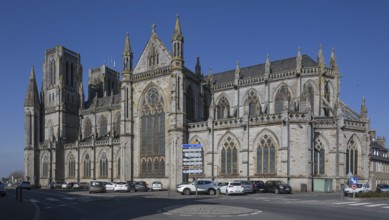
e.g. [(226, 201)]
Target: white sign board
[(192, 160)]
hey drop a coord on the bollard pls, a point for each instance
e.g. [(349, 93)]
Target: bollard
[(17, 193), (21, 194), (341, 191)]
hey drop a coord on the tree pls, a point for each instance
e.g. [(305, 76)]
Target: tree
[(17, 174)]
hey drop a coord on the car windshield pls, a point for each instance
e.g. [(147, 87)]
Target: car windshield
[(235, 184), (281, 183)]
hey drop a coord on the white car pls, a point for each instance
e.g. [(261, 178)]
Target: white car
[(121, 186), (359, 188), (156, 185), (203, 186), (64, 186), (232, 188), (109, 186)]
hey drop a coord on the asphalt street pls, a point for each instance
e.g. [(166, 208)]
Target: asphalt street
[(41, 204)]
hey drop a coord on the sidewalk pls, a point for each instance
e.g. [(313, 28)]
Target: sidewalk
[(12, 209)]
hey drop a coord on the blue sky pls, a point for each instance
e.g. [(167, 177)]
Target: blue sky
[(220, 32)]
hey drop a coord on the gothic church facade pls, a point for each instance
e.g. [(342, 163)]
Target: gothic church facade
[(278, 120)]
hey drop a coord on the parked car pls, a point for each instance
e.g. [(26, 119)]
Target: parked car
[(232, 188), (359, 189), (382, 188), (109, 186), (156, 185), (83, 185), (25, 185), (96, 187), (64, 186), (141, 186), (71, 185), (247, 185), (277, 187), (220, 184), (258, 186), (203, 186), (124, 186), (3, 191), (56, 185)]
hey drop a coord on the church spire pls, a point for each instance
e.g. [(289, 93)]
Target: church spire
[(299, 61), (333, 63), (237, 73), (363, 113), (267, 65), (32, 97), (177, 35), (198, 66), (127, 56), (320, 57), (178, 46)]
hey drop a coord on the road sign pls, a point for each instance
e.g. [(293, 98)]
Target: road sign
[(354, 180)]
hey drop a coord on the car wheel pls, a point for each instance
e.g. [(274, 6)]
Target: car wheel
[(186, 192), (212, 192), (276, 191)]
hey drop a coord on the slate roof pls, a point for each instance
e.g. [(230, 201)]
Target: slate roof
[(104, 101), (259, 69)]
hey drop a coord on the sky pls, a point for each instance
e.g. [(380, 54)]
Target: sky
[(220, 32)]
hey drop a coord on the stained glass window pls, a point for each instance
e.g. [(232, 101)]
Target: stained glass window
[(229, 157), (266, 155), (152, 143)]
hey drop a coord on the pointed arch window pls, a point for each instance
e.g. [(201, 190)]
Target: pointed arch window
[(103, 165), (282, 99), (253, 103), (118, 167), (152, 133), (319, 157), (45, 167), (71, 75), (190, 104), (87, 166), (67, 73), (71, 167), (223, 108), (116, 125), (327, 96), (103, 126), (153, 58), (87, 128), (352, 157), (229, 157), (309, 96), (266, 155), (52, 72)]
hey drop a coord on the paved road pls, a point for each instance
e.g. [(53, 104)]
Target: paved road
[(66, 204)]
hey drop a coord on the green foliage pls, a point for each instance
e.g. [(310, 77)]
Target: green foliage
[(372, 195)]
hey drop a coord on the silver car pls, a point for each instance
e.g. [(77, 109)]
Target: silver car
[(247, 185)]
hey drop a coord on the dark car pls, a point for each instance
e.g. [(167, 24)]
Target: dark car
[(96, 187), (3, 191), (141, 186), (277, 187), (131, 186), (382, 188), (258, 186)]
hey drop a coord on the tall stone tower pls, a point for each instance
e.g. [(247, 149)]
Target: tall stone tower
[(176, 129), (31, 130), (127, 123), (61, 102)]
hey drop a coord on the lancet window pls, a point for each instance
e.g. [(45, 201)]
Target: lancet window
[(152, 132)]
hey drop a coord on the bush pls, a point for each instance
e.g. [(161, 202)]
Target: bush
[(372, 194)]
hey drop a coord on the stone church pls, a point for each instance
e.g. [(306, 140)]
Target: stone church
[(282, 120)]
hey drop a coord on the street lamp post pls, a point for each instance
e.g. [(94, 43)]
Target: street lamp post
[(288, 142)]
